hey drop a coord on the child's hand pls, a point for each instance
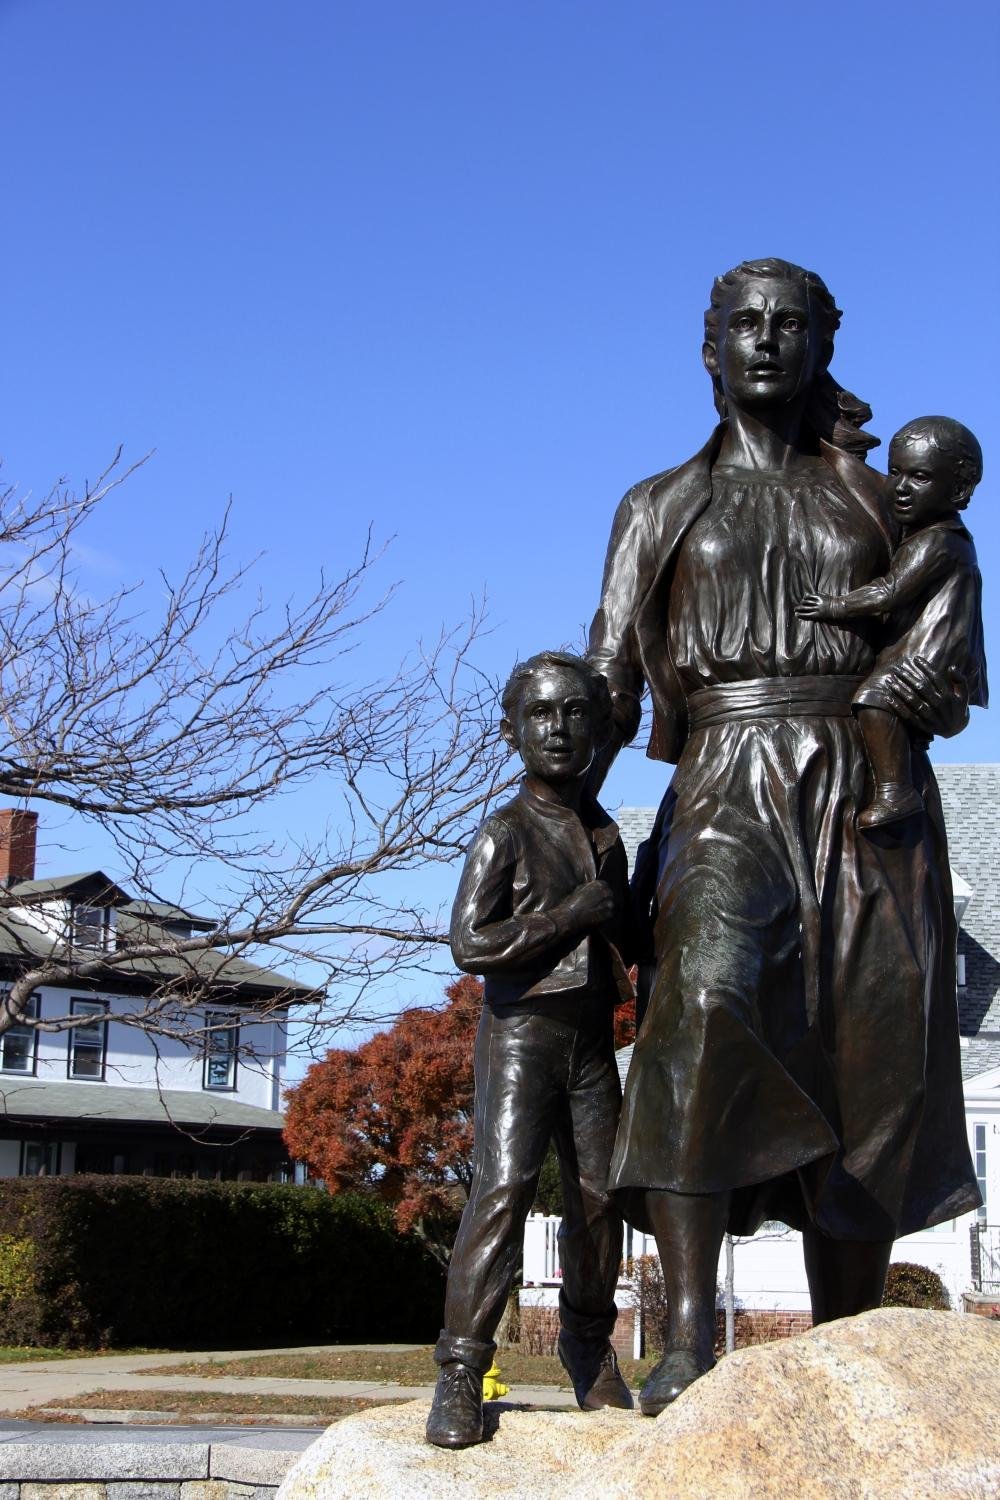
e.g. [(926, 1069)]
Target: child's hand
[(818, 607), (590, 904)]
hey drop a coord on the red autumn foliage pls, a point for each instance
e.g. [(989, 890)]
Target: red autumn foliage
[(625, 1024), (395, 1114)]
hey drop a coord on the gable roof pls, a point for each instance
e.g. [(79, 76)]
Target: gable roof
[(233, 979), (91, 883)]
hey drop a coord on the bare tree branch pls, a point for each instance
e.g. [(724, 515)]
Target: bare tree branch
[(178, 731)]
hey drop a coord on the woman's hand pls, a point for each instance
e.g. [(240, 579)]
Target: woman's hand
[(931, 702)]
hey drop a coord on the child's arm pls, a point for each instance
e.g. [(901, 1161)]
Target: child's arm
[(916, 568), (485, 938)]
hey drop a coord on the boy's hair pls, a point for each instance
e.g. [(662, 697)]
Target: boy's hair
[(597, 687), (954, 441)]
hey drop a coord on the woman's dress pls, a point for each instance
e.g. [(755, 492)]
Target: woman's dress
[(801, 1044)]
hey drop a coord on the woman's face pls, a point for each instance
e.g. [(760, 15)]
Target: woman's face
[(768, 348)]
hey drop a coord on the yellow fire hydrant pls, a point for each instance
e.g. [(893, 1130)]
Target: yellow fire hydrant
[(493, 1386)]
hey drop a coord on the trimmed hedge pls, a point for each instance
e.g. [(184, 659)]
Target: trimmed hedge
[(90, 1262), (912, 1285)]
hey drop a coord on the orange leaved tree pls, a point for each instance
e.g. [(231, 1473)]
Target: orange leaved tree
[(394, 1115)]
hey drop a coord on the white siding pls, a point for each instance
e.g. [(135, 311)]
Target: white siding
[(136, 1059)]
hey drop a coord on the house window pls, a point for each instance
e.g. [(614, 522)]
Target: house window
[(88, 1042), (221, 1042), (979, 1154), (92, 926), (19, 1045), (39, 1159)]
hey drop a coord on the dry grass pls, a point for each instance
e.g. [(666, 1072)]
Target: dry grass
[(16, 1354), (409, 1367), (197, 1405)]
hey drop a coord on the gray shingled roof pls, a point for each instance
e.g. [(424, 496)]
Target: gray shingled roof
[(29, 891), (162, 911), (634, 824), (233, 977), (980, 1055), (970, 797), (32, 1099)]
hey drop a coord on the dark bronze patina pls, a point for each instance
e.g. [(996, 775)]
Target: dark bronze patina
[(541, 914), (799, 1056)]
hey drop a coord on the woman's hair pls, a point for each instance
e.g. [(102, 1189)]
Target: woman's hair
[(956, 442), (596, 685), (832, 412)]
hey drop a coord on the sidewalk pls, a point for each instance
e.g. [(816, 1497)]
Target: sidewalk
[(52, 1382)]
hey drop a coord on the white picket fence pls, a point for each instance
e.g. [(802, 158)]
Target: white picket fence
[(769, 1271)]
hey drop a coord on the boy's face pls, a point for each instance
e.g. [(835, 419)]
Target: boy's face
[(553, 726), (923, 480)]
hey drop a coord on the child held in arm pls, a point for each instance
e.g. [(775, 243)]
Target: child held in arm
[(540, 913), (931, 596)]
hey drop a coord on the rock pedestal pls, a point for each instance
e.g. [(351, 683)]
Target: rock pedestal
[(893, 1405)]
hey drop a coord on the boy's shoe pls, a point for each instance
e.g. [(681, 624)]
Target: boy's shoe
[(592, 1365), (456, 1415), (891, 803)]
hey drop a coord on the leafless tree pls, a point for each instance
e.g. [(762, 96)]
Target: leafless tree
[(178, 733)]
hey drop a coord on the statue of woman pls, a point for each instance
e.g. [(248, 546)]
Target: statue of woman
[(799, 1057)]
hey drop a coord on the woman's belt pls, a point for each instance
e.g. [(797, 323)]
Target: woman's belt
[(772, 698)]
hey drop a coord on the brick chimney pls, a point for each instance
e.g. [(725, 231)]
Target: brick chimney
[(17, 845)]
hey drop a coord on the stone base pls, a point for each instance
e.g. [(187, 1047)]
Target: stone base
[(889, 1406)]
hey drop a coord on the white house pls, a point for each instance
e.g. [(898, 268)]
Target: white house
[(769, 1273), (108, 1096)]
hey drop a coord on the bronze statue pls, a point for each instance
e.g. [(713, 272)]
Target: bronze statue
[(932, 591), (799, 1057), (540, 913)]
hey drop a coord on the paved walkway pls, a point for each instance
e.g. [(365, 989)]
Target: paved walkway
[(52, 1382)]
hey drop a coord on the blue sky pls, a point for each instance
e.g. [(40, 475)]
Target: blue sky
[(442, 266)]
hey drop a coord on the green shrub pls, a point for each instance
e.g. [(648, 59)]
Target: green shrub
[(548, 1194), (146, 1261), (17, 1269), (910, 1285)]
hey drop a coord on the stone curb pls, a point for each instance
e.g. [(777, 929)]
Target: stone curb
[(33, 1460), (80, 1455), (111, 1417)]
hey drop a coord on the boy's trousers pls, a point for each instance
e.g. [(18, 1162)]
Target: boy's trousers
[(545, 1070)]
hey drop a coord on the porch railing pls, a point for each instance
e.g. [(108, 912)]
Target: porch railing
[(985, 1248)]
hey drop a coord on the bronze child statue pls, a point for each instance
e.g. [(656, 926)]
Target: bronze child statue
[(540, 913), (931, 595)]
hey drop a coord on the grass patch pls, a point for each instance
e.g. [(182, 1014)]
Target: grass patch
[(13, 1354), (186, 1405), (407, 1367)]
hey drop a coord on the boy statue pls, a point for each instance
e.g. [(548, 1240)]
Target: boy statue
[(541, 913)]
